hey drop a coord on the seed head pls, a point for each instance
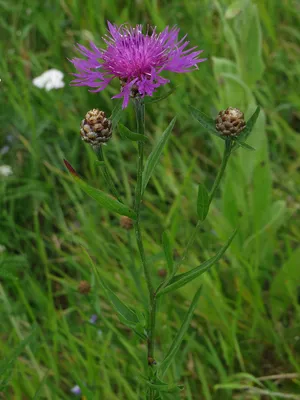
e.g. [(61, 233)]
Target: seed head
[(96, 129), (126, 222), (230, 122), (84, 287)]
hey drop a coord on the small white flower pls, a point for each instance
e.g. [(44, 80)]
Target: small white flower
[(5, 170), (51, 79), (2, 248)]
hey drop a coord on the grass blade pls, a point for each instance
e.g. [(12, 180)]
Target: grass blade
[(179, 336), (168, 251)]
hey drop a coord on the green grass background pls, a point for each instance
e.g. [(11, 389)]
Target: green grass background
[(247, 323)]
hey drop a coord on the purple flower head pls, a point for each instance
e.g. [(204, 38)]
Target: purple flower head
[(137, 59)]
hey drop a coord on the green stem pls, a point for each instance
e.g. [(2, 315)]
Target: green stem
[(108, 178), (140, 117), (226, 155)]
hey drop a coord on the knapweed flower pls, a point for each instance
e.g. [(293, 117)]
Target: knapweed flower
[(136, 59), (51, 79)]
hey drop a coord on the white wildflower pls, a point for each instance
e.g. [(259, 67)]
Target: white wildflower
[(2, 248), (51, 79), (5, 170)]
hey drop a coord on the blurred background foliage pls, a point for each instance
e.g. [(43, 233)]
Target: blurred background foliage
[(247, 324)]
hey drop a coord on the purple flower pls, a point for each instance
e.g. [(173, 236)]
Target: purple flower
[(76, 390), (137, 59), (93, 318)]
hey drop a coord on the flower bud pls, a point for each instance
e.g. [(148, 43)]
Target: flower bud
[(96, 129), (230, 122), (84, 287), (126, 222)]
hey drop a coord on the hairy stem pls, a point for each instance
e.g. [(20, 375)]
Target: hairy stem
[(140, 116)]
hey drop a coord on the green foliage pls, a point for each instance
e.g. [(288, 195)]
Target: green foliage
[(101, 197), (202, 202), (156, 154), (128, 134), (164, 366)]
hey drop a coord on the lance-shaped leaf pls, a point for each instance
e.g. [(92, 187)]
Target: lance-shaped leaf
[(162, 387), (243, 144), (249, 125), (128, 134), (126, 315), (156, 153), (168, 250), (179, 336), (180, 280), (207, 122), (102, 198), (202, 202), (156, 99)]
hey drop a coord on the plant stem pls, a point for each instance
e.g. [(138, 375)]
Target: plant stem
[(108, 178), (226, 155), (140, 117)]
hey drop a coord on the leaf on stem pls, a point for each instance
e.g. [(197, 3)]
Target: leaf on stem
[(162, 387), (250, 125), (102, 198), (181, 280), (179, 336), (207, 122), (168, 250), (243, 144), (126, 315), (202, 202), (155, 154), (128, 134)]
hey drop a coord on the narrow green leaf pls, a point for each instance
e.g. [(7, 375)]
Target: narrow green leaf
[(181, 280), (7, 364), (179, 336), (155, 154), (244, 145), (102, 198), (202, 202), (128, 134), (126, 315), (205, 121), (249, 126), (160, 386), (168, 250), (156, 99), (116, 113)]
